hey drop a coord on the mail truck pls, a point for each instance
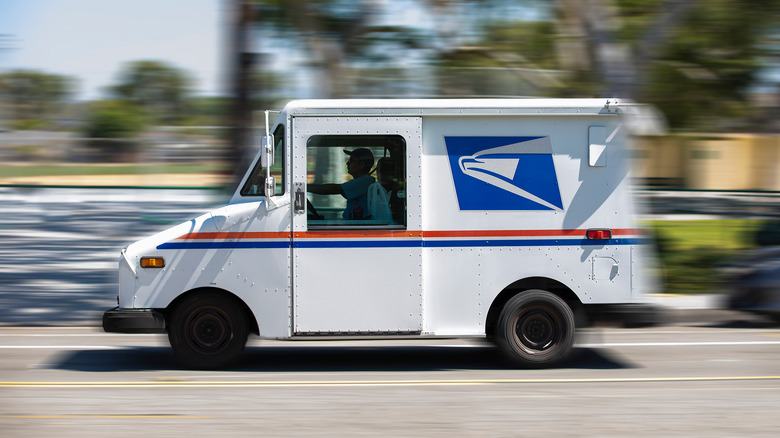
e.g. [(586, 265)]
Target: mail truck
[(505, 219)]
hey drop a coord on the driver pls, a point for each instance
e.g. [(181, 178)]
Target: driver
[(359, 165)]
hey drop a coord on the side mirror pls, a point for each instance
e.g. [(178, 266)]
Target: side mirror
[(267, 156)]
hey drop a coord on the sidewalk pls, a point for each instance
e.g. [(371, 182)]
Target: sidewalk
[(698, 309), (136, 180)]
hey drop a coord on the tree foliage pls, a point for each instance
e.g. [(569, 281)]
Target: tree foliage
[(159, 89), (696, 60), (114, 119), (112, 128), (337, 36), (34, 95), (705, 73)]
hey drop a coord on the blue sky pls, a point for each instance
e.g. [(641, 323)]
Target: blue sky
[(91, 39)]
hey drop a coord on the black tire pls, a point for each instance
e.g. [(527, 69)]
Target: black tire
[(535, 329), (208, 330)]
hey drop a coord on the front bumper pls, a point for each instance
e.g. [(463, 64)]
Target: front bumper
[(119, 320)]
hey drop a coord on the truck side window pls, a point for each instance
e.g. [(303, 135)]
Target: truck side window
[(356, 180), (256, 181)]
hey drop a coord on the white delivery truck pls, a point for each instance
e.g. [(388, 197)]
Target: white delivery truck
[(505, 219)]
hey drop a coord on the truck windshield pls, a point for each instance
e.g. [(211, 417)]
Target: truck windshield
[(254, 184)]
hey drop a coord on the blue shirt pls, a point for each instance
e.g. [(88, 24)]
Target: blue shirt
[(356, 192)]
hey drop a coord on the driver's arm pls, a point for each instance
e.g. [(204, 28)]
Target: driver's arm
[(325, 189)]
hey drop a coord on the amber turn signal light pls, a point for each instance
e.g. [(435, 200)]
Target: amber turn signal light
[(152, 262)]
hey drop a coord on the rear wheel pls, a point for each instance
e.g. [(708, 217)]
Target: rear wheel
[(208, 330), (535, 328)]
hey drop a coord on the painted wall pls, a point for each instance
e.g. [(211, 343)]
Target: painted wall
[(709, 161)]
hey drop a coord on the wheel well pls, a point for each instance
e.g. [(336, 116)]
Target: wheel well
[(253, 328), (542, 283)]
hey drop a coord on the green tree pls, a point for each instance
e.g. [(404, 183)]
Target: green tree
[(207, 110), (703, 76), (32, 95), (352, 50), (338, 37), (158, 88), (112, 127), (114, 119), (695, 60)]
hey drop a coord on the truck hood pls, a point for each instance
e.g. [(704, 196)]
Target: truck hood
[(220, 219)]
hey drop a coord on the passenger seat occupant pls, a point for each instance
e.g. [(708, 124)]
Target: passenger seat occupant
[(380, 192), (359, 165)]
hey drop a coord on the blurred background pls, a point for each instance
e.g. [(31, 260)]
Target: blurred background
[(120, 118)]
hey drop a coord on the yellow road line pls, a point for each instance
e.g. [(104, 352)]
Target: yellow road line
[(38, 417), (322, 383)]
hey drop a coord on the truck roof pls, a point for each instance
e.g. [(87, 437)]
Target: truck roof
[(599, 106)]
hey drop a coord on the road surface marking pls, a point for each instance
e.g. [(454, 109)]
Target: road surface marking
[(333, 383), (36, 417), (66, 347), (676, 344), (76, 335)]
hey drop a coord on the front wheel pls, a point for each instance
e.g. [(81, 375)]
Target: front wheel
[(208, 330), (535, 328)]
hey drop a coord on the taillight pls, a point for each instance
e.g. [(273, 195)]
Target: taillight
[(599, 234)]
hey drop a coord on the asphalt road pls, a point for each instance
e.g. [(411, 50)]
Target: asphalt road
[(673, 381)]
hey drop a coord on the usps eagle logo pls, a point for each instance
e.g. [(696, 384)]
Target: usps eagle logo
[(504, 173)]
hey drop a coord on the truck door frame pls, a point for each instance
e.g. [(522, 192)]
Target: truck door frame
[(357, 279)]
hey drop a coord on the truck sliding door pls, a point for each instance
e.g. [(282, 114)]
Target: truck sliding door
[(356, 264)]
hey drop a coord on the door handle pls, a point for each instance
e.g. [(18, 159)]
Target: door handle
[(300, 198)]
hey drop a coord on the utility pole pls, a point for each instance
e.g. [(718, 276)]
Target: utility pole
[(240, 61)]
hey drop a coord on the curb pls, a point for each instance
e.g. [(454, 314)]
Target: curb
[(701, 309)]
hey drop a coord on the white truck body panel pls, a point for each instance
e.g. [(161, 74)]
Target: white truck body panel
[(496, 192)]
